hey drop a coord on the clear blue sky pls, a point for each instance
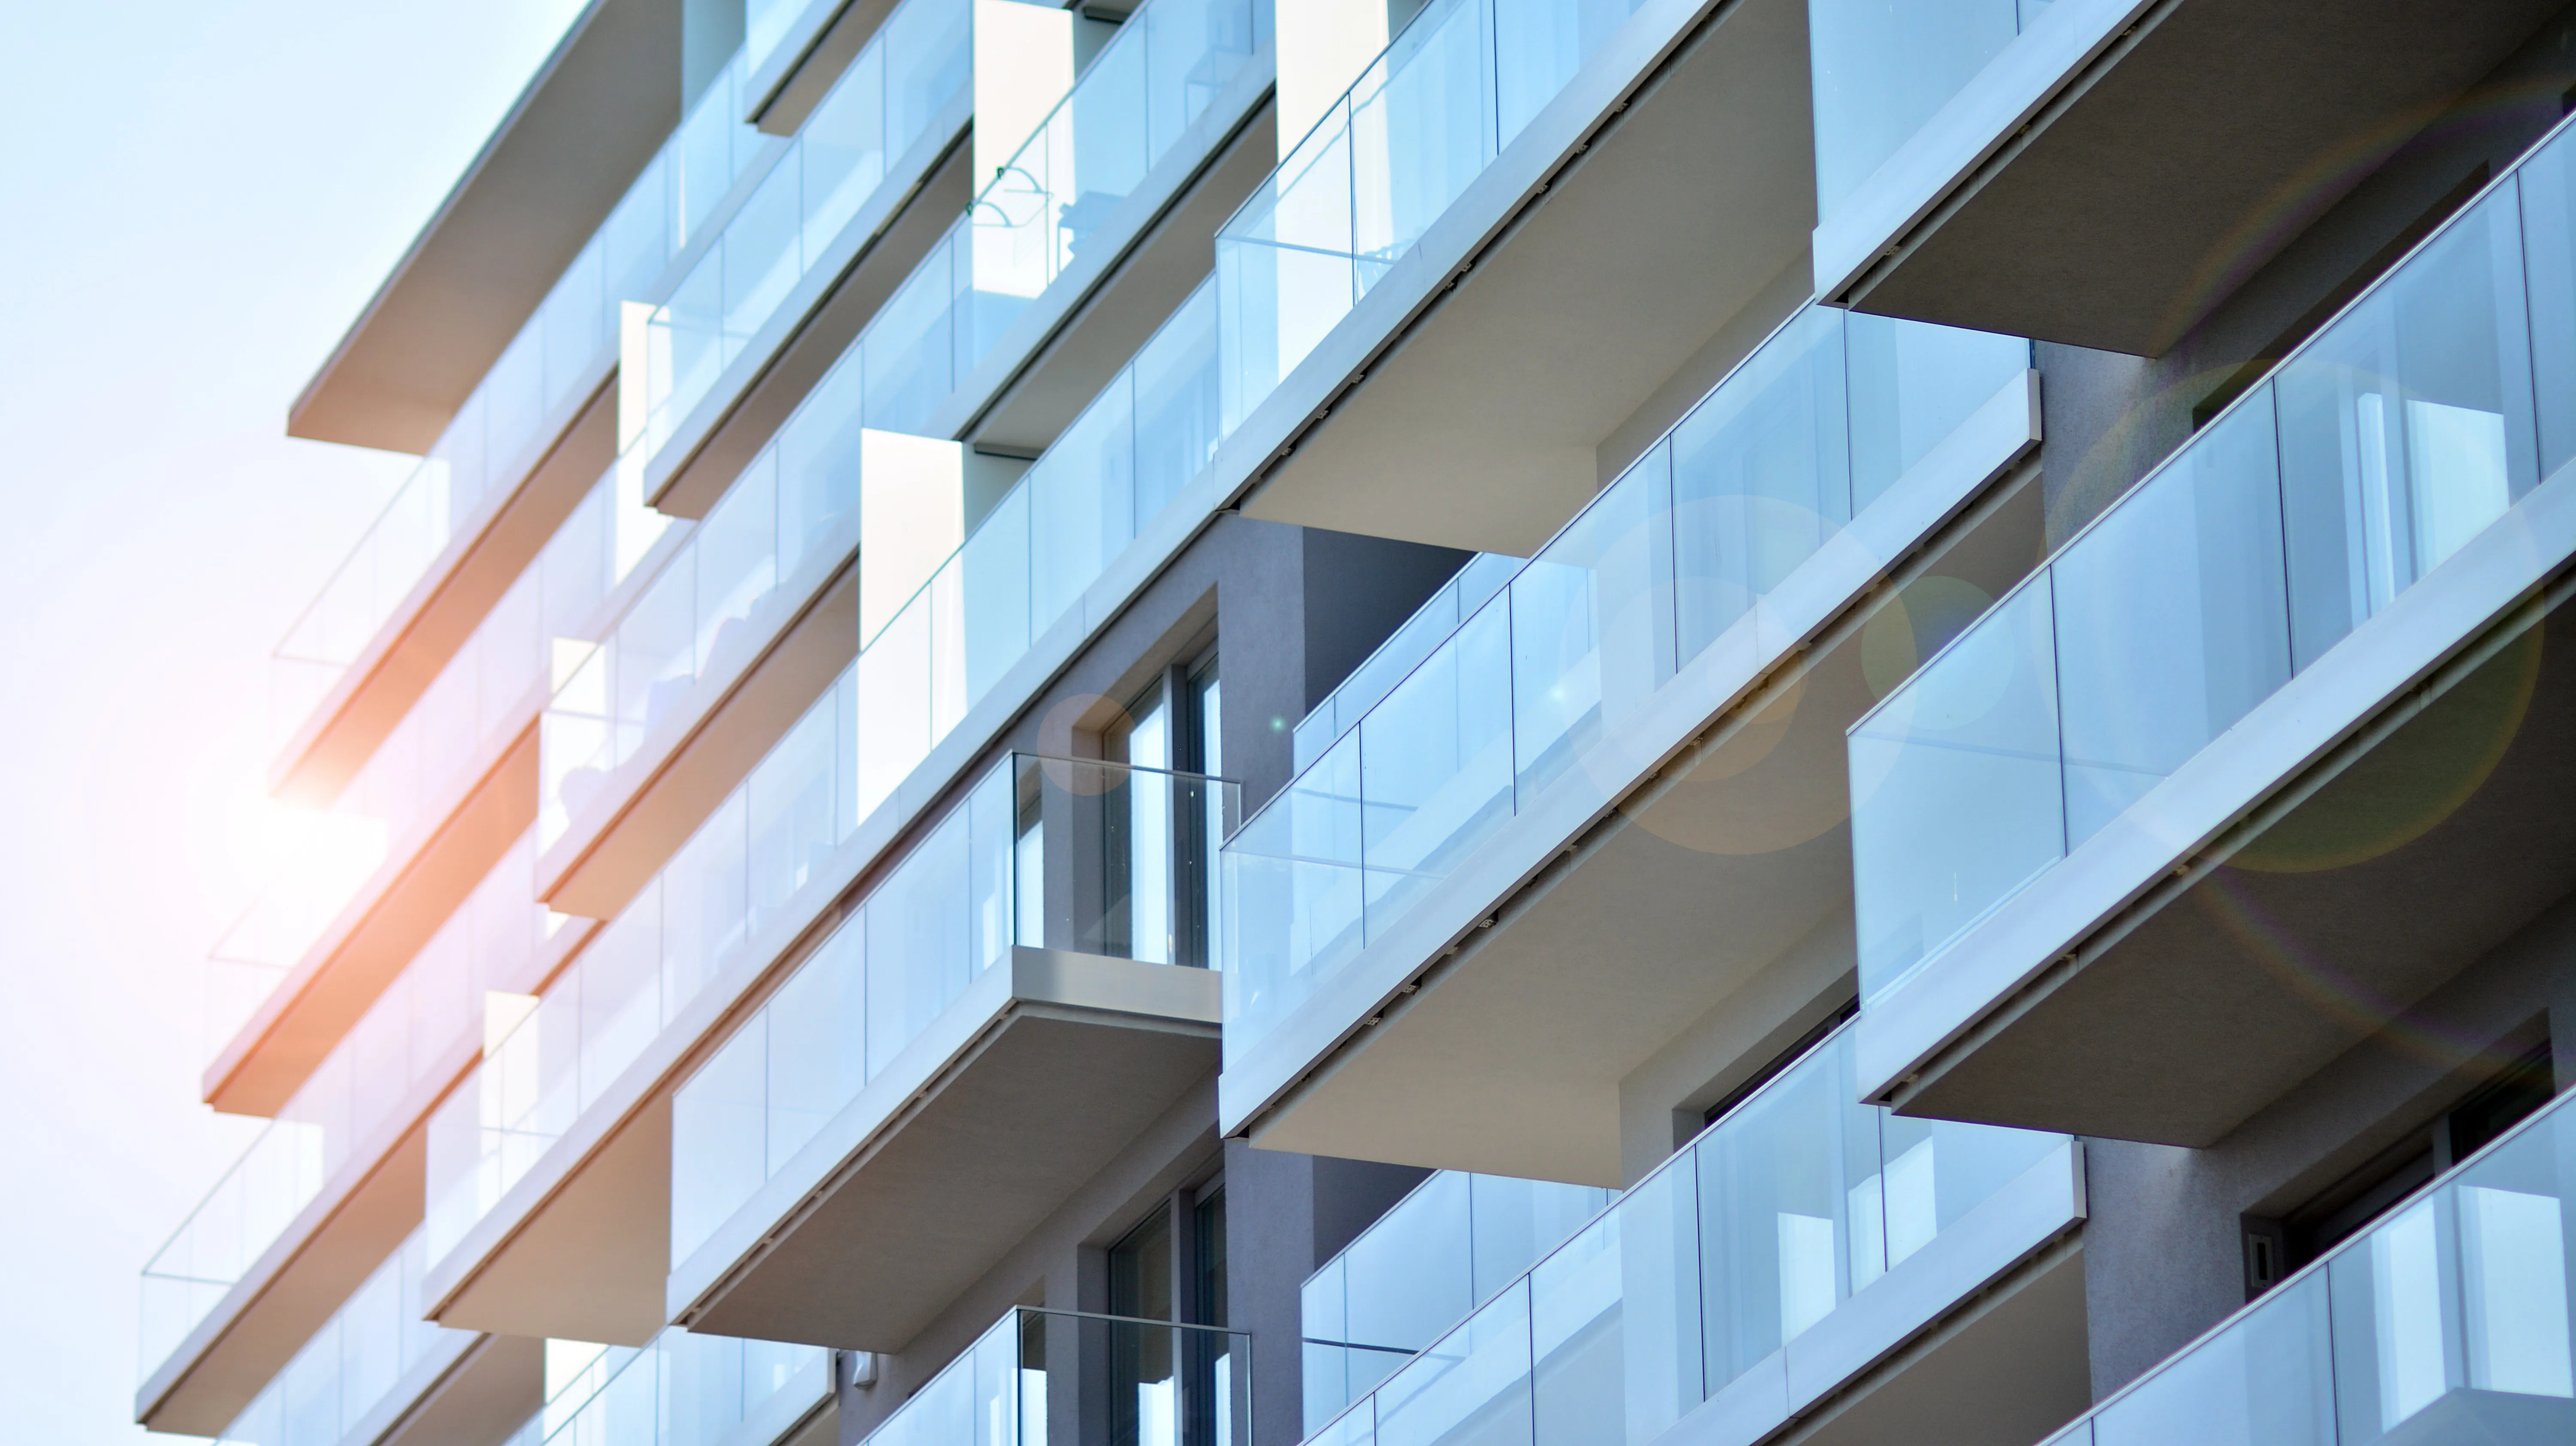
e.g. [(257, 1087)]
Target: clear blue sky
[(195, 200)]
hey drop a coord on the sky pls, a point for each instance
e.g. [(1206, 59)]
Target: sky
[(195, 201)]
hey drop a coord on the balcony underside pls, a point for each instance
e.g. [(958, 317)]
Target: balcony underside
[(491, 551), (926, 1182), (760, 680), (1570, 329), (2189, 150), (548, 176), (2217, 978), (394, 914), (1723, 887), (291, 1291), (479, 1397)]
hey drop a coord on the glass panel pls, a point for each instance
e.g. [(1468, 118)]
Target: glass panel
[(1615, 1318), (1955, 789), (1588, 648), (1436, 765), (1472, 1385), (2266, 1381), (2406, 427), (2172, 618), (1882, 70)]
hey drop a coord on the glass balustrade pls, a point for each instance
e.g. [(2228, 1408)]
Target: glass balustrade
[(1666, 562), (415, 775), (917, 64), (1139, 95), (1387, 159), (685, 1390), (350, 1366), (429, 1015), (1881, 71), (2446, 1320), (487, 444), (1403, 651), (1042, 1376), (1424, 1266), (2371, 454), (1149, 432), (1049, 853), (1780, 1212), (697, 610)]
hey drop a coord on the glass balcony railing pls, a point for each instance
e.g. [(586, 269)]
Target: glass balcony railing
[(765, 27), (1047, 853), (1424, 1266), (486, 445), (350, 1366), (1881, 71), (1402, 652), (429, 1015), (1665, 563), (1041, 1376), (697, 609), (2447, 1320), (912, 69), (1388, 158), (415, 775), (1783, 1210), (685, 1390), (1144, 89), (2372, 453), (1148, 433)]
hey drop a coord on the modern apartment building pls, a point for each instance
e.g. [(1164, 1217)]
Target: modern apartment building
[(1227, 723)]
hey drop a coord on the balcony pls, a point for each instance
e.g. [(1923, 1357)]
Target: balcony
[(2104, 172), (2266, 754), (1084, 528), (441, 799), (1805, 1258), (513, 457), (594, 114), (1042, 1376), (333, 1184), (1425, 1265), (376, 1372), (691, 1390), (827, 230), (1029, 993), (1085, 207), (1609, 802), (2446, 1321), (1500, 248)]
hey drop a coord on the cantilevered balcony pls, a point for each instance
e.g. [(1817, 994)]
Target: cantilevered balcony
[(1058, 275), (1056, 1378), (1610, 803), (377, 1373), (1054, 559), (1004, 1012), (2447, 1320), (1496, 252), (745, 257), (1806, 1259), (333, 1185), (512, 456), (2269, 752), (1452, 1244), (2102, 172), (441, 799)]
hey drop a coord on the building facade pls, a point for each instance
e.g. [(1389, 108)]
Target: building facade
[(1226, 724)]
